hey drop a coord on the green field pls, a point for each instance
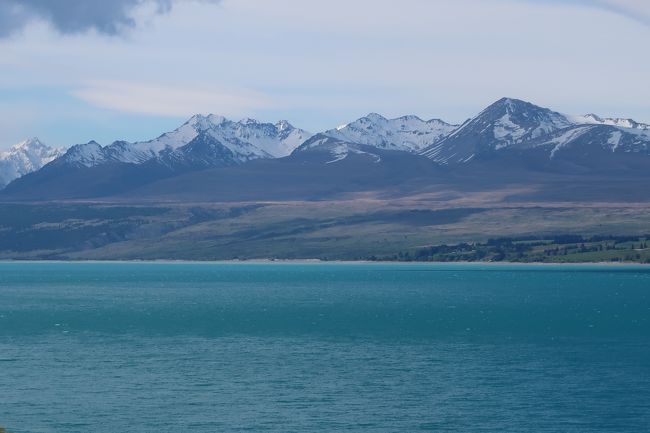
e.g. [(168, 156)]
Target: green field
[(558, 249)]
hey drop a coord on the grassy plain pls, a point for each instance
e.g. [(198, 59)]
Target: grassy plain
[(358, 227)]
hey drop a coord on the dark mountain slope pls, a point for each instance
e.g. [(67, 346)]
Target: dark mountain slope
[(302, 176)]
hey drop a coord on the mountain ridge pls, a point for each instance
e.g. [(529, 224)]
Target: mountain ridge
[(245, 140), (406, 133), (508, 133)]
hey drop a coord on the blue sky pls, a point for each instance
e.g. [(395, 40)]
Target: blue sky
[(132, 69)]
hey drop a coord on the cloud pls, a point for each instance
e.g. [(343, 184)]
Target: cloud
[(636, 9), (155, 99), (321, 63), (110, 17)]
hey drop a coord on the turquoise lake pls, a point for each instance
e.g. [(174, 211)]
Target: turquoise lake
[(230, 347)]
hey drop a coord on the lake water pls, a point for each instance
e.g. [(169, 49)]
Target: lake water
[(190, 347)]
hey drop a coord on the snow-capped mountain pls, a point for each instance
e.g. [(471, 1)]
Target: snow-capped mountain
[(406, 133), (328, 150), (504, 124), (511, 124), (595, 138), (611, 121), (508, 136), (230, 143), (25, 157)]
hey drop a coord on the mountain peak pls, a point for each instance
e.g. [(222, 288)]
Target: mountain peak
[(22, 158), (375, 117), (202, 122), (520, 111), (196, 119), (249, 121), (511, 105), (506, 123), (508, 100), (283, 125), (406, 133), (410, 117), (437, 122), (31, 146), (594, 117), (30, 142)]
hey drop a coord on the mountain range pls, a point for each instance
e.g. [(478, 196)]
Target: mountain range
[(213, 158)]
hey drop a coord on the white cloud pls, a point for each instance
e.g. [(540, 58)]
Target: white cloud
[(155, 99)]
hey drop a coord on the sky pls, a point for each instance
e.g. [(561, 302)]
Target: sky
[(77, 70)]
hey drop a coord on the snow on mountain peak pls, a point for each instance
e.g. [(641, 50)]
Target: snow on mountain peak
[(84, 155), (25, 157), (514, 120), (504, 124), (283, 125), (374, 117), (514, 124), (201, 122), (593, 119), (332, 150), (238, 141), (249, 121), (30, 143), (214, 140), (406, 133), (246, 139), (509, 105), (411, 118)]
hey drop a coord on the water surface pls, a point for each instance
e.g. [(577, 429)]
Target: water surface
[(197, 347)]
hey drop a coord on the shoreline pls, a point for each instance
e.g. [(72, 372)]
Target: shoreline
[(320, 262)]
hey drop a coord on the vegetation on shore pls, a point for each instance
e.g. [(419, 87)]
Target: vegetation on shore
[(547, 249)]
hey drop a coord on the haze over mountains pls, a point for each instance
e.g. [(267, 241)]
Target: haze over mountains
[(212, 158)]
